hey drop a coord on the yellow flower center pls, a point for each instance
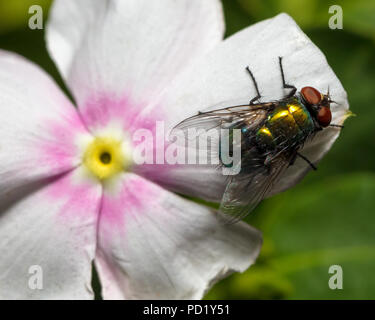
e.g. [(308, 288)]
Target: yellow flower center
[(104, 157)]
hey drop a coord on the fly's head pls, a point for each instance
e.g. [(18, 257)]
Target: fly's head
[(319, 104)]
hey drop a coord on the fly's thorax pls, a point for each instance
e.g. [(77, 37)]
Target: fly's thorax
[(288, 124), (301, 115)]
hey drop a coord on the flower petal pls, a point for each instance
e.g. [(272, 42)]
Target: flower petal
[(38, 125), (220, 79), (156, 245), (200, 181), (48, 237), (129, 48)]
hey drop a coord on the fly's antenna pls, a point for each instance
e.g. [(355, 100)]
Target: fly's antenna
[(329, 97)]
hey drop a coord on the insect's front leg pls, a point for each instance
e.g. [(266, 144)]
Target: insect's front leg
[(258, 96), (285, 85)]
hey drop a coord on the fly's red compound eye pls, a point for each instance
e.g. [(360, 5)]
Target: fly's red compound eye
[(324, 116), (311, 95)]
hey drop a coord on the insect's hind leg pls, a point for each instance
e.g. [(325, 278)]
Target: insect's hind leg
[(285, 85), (258, 96), (307, 160)]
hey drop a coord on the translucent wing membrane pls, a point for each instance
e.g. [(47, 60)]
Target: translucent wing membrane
[(207, 125), (224, 117), (246, 190)]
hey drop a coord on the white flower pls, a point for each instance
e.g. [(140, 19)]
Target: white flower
[(128, 64)]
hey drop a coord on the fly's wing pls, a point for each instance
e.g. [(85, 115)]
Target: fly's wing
[(246, 190), (225, 117)]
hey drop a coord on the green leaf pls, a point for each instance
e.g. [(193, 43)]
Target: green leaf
[(352, 59), (15, 14), (358, 16), (307, 230)]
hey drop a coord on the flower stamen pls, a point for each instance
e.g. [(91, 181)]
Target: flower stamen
[(104, 157)]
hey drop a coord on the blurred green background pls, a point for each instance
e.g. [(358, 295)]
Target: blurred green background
[(329, 218)]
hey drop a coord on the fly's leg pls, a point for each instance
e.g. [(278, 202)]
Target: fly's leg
[(293, 160), (286, 86), (258, 96), (307, 160), (336, 125), (267, 164)]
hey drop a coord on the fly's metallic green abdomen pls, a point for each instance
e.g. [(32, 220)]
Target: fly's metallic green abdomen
[(289, 124)]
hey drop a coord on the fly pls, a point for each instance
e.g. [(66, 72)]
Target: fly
[(272, 133)]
